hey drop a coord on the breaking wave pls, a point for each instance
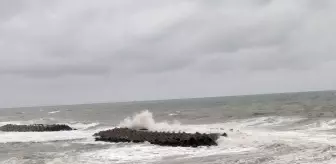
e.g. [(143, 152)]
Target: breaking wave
[(145, 120), (258, 137), (53, 112), (83, 126), (253, 136)]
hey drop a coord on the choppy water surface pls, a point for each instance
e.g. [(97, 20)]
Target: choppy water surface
[(277, 128)]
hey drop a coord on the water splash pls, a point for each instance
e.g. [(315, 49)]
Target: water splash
[(145, 120)]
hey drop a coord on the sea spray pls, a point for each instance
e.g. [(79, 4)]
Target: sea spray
[(145, 120)]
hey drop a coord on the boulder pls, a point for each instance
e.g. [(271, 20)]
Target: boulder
[(157, 138), (35, 128), (224, 135)]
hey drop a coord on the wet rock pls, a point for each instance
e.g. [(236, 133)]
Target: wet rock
[(143, 129), (224, 135), (35, 128), (157, 138)]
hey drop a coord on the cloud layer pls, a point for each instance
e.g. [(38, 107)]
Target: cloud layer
[(134, 50)]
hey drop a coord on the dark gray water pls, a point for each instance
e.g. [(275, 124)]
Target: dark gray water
[(277, 128)]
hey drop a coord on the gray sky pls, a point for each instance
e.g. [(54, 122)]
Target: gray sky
[(81, 51)]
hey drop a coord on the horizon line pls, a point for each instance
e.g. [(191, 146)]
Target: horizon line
[(168, 99)]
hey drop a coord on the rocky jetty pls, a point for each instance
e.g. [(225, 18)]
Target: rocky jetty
[(158, 138), (35, 128)]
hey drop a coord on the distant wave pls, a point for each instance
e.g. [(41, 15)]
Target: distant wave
[(83, 126), (34, 121), (175, 113), (53, 112)]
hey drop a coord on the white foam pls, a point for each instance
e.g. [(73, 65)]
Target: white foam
[(319, 125), (80, 133), (82, 126), (146, 153), (14, 160), (145, 119), (53, 112), (249, 136), (6, 137), (270, 121), (175, 113)]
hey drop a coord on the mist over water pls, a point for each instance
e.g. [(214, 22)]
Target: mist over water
[(278, 128)]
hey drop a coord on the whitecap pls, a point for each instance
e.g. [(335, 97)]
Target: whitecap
[(6, 137), (83, 126), (53, 112)]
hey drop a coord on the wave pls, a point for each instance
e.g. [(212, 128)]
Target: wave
[(83, 126), (53, 112), (147, 153), (6, 137), (256, 137), (253, 136), (319, 125), (270, 121), (175, 113), (35, 121), (145, 120), (84, 131)]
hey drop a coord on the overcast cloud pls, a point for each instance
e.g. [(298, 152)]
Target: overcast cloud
[(82, 51)]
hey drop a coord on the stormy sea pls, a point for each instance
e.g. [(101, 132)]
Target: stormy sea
[(274, 128)]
